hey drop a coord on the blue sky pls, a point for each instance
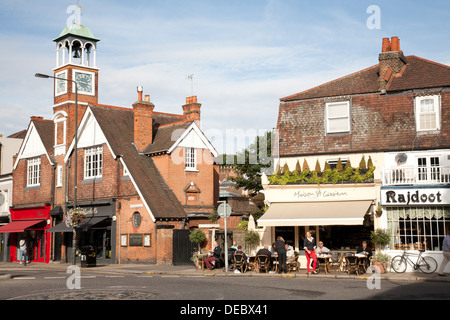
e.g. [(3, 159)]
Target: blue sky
[(245, 55)]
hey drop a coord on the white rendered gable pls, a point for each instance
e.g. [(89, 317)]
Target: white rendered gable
[(32, 146), (193, 137)]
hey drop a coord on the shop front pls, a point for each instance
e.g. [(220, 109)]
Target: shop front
[(97, 233), (340, 216), (416, 217), (31, 224)]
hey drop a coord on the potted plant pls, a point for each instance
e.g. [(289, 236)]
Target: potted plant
[(379, 211), (197, 236), (381, 260), (380, 238), (251, 238)]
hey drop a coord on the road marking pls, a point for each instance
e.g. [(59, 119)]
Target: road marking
[(114, 276), (54, 277), (170, 276), (24, 278)]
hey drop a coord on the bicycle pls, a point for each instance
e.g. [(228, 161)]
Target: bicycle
[(424, 264)]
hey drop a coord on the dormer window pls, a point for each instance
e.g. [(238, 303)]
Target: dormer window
[(427, 113)]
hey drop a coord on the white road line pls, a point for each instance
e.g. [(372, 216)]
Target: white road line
[(114, 276), (55, 277), (24, 278)]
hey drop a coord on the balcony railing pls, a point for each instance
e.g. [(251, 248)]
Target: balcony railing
[(404, 175)]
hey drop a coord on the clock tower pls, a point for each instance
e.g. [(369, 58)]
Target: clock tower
[(76, 59)]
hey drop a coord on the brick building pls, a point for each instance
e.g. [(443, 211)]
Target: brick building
[(395, 113), (144, 177)]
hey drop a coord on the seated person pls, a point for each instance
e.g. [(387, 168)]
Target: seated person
[(215, 256), (364, 249), (239, 251), (321, 249), (264, 251), (290, 253)]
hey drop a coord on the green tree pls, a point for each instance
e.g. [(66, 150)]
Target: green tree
[(251, 162), (197, 236)]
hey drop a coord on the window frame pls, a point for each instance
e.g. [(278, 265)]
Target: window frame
[(328, 118), (437, 112), (89, 154), (33, 166), (190, 159)]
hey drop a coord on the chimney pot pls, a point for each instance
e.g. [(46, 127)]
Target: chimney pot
[(395, 44), (386, 45), (147, 98), (140, 89)]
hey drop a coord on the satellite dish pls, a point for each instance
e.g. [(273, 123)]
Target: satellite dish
[(401, 158)]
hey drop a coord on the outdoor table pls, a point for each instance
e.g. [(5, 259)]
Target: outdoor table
[(201, 260), (323, 260), (251, 262), (274, 259), (361, 261), (354, 262)]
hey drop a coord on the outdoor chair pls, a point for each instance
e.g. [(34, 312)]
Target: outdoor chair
[(262, 263), (293, 264), (336, 261), (352, 264), (322, 263), (239, 262)]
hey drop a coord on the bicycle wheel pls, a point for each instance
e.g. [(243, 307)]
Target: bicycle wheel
[(427, 265), (398, 263)]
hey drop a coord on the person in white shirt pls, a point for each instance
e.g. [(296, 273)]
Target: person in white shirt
[(23, 249), (321, 249)]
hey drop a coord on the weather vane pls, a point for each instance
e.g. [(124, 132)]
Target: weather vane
[(191, 78)]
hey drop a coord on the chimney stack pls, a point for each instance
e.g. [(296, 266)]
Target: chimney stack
[(143, 121), (191, 110), (392, 61)]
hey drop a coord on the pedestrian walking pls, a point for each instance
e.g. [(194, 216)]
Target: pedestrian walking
[(309, 244), (23, 249), (446, 252)]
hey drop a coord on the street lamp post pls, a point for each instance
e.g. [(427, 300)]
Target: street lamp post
[(74, 238)]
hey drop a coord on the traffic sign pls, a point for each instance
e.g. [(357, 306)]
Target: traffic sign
[(224, 210)]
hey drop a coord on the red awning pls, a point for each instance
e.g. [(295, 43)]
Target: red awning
[(19, 226)]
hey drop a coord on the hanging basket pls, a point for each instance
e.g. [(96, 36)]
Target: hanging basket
[(75, 217)]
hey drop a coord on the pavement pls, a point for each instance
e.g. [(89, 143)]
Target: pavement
[(8, 268)]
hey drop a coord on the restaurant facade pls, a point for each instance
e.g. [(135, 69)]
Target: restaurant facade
[(366, 151), (341, 215)]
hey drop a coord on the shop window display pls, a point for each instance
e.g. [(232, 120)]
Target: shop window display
[(418, 227)]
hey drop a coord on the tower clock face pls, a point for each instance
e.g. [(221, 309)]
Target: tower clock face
[(85, 82), (61, 85)]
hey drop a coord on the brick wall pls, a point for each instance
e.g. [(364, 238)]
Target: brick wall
[(30, 196), (177, 178)]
